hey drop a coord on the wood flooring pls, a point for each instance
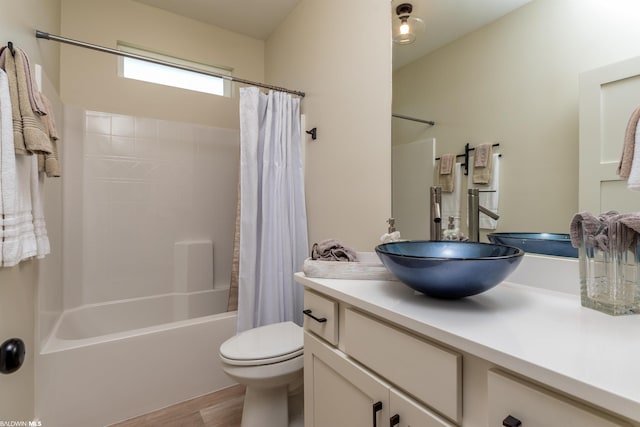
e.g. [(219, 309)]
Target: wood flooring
[(220, 409)]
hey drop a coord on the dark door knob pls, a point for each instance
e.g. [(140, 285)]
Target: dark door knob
[(11, 355), (511, 422)]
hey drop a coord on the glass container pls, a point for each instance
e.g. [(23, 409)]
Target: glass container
[(609, 278)]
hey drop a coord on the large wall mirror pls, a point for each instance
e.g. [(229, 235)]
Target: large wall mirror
[(511, 80)]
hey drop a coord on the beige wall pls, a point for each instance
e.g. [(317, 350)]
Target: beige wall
[(18, 22), (347, 80), (89, 79), (516, 82)]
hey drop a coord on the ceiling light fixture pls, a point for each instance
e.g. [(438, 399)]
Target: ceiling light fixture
[(406, 26)]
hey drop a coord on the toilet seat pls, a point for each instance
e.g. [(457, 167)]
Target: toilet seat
[(264, 345)]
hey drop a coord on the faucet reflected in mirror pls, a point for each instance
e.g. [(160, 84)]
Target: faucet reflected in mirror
[(435, 222), (474, 209)]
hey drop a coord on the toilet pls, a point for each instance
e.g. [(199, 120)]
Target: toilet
[(268, 361)]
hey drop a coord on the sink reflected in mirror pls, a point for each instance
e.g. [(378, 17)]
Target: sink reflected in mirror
[(555, 244), (449, 269)]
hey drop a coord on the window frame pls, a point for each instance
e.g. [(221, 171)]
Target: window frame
[(227, 84)]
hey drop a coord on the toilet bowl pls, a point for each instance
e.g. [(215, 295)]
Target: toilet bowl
[(268, 360)]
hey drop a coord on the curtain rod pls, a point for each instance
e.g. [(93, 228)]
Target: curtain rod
[(429, 122), (47, 36)]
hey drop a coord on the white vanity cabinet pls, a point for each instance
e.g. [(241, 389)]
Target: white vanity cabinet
[(378, 355), (342, 392)]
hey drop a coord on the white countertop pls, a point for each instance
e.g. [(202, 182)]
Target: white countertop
[(540, 333)]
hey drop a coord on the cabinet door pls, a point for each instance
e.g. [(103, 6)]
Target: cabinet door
[(537, 407), (431, 373), (339, 393), (409, 413)]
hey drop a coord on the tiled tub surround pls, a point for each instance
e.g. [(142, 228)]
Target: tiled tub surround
[(532, 326), (148, 222), (148, 184)]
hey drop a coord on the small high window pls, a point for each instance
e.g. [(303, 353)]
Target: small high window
[(169, 76)]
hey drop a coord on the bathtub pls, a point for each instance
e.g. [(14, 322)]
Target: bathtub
[(108, 362)]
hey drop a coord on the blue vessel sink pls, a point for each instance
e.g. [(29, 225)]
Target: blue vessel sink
[(556, 244), (449, 269)]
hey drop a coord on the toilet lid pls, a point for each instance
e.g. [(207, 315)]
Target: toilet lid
[(265, 344)]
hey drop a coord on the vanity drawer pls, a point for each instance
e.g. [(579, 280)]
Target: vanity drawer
[(411, 413), (321, 316), (425, 370), (534, 406)]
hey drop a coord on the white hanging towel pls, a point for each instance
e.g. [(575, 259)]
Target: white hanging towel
[(7, 153), (22, 227), (451, 201), (633, 182), (490, 199), (19, 237)]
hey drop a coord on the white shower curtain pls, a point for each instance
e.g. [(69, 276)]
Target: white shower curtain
[(273, 219)]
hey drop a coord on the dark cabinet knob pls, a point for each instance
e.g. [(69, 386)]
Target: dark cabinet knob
[(511, 422), (394, 421)]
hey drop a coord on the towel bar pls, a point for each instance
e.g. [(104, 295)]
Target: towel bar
[(465, 165)]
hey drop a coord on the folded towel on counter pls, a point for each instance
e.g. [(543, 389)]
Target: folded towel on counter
[(593, 228), (332, 250), (608, 231), (489, 193), (446, 173), (629, 227), (628, 147), (482, 164), (450, 202)]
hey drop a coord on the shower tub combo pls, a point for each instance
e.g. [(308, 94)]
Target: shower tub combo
[(110, 361), (107, 362), (138, 320)]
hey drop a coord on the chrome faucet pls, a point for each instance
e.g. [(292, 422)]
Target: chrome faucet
[(474, 210), (435, 229)]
